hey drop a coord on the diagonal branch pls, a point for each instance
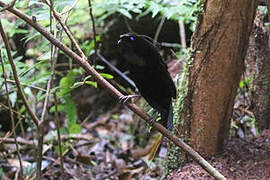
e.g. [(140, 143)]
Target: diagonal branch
[(59, 19), (13, 67)]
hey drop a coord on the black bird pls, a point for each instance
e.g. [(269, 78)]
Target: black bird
[(150, 74)]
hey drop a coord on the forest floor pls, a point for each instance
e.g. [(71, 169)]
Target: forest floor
[(242, 159), (117, 145)]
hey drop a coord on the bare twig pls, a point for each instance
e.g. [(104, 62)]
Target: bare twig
[(182, 34), (127, 24), (159, 28), (28, 85), (19, 141), (13, 67), (10, 108), (11, 4), (115, 93), (59, 137), (16, 112), (94, 30), (68, 32), (70, 8), (116, 70), (268, 8)]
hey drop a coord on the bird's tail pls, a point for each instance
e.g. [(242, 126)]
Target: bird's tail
[(167, 118)]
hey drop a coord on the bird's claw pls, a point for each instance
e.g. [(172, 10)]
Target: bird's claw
[(152, 121), (124, 99), (127, 99)]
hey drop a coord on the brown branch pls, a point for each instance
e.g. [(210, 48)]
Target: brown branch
[(159, 28), (16, 112), (11, 4), (182, 34), (59, 19), (10, 109), (19, 140), (13, 67), (28, 85), (94, 30), (114, 92)]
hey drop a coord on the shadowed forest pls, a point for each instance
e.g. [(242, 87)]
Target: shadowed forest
[(135, 89)]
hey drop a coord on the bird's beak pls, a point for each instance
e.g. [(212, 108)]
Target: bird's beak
[(119, 42)]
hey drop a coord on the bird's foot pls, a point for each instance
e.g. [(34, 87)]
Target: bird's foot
[(152, 121), (127, 99)]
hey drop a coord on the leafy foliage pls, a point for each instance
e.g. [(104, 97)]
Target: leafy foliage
[(185, 10), (35, 71)]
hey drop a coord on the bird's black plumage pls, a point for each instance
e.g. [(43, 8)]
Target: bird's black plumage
[(150, 74)]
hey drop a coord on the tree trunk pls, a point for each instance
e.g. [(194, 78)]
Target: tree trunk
[(220, 43), (262, 79)]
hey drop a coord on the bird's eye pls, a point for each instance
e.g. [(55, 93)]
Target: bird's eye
[(131, 38)]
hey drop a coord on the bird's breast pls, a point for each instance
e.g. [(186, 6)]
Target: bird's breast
[(134, 60)]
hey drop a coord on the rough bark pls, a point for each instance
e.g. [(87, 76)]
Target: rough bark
[(220, 43), (261, 96)]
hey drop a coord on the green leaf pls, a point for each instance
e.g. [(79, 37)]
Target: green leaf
[(99, 67), (107, 76), (74, 129), (77, 84), (87, 77), (156, 8), (65, 86), (59, 108), (125, 13), (92, 83), (1, 173), (70, 110)]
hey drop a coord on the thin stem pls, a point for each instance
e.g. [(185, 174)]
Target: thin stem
[(59, 136), (11, 113), (182, 34), (66, 29), (94, 30), (159, 28), (13, 67)]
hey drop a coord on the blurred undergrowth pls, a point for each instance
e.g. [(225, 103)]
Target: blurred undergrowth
[(34, 68)]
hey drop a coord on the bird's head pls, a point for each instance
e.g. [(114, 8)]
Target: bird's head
[(128, 42)]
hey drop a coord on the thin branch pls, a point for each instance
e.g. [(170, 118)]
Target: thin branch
[(94, 30), (16, 112), (24, 84), (19, 140), (68, 32), (115, 93), (59, 137), (116, 70), (10, 5), (10, 110), (70, 8), (159, 28), (182, 34), (268, 9), (59, 140), (13, 67), (127, 24)]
